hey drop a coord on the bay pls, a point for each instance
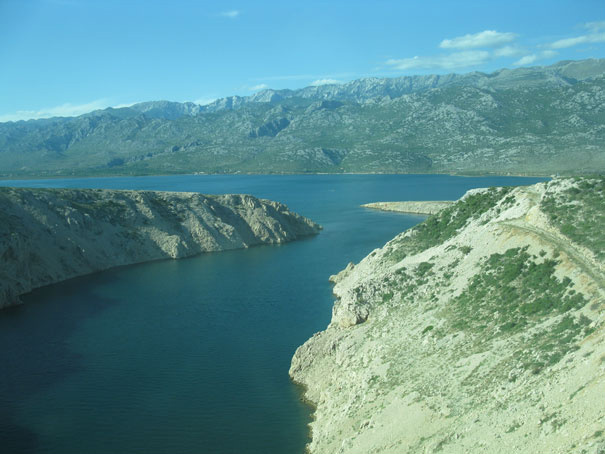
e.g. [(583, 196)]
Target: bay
[(192, 355)]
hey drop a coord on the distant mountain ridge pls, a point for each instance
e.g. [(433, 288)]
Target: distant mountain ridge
[(524, 120), (563, 73)]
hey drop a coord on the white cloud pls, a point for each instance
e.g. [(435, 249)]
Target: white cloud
[(595, 26), (596, 35), (128, 104), (64, 110), (259, 87), (318, 82), (451, 61), (464, 58), (549, 53), (476, 49), (487, 38), (507, 51), (529, 59), (570, 42), (232, 14)]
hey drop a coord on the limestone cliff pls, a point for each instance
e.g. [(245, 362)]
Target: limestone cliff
[(479, 330), (49, 235)]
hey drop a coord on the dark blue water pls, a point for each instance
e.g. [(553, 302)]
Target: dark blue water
[(191, 356)]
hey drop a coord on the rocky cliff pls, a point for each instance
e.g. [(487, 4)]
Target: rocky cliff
[(49, 235), (479, 330)]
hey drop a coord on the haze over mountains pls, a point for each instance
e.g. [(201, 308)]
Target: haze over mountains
[(536, 120)]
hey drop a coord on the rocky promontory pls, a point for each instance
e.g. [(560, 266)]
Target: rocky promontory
[(419, 207), (479, 330), (49, 235)]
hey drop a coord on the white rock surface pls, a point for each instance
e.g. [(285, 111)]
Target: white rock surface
[(392, 373), (415, 207), (49, 235)]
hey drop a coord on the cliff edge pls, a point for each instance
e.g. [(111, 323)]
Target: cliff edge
[(479, 330), (49, 235)]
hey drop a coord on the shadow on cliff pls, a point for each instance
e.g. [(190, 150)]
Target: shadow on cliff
[(36, 354)]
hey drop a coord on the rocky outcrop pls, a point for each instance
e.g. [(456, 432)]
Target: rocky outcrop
[(479, 330), (271, 128), (49, 235), (419, 207)]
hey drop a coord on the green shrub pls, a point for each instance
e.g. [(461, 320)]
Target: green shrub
[(579, 213), (444, 225), (424, 268), (513, 292)]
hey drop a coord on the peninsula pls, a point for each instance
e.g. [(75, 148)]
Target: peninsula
[(419, 207), (50, 235), (478, 330)]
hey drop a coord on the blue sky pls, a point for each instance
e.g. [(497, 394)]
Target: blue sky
[(67, 57)]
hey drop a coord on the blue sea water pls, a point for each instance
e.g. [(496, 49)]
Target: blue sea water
[(192, 356)]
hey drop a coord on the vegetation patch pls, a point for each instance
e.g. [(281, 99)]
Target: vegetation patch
[(579, 213), (386, 297), (516, 292), (442, 226), (428, 329), (424, 269), (466, 249)]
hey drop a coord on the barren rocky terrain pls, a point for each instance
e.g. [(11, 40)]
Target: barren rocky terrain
[(479, 330), (49, 235)]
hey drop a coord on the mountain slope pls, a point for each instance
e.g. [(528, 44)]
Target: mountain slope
[(49, 235), (479, 330), (526, 120)]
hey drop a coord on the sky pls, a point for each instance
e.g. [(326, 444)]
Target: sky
[(69, 57)]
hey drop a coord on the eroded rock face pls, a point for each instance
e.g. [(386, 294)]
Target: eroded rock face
[(49, 235), (480, 330)]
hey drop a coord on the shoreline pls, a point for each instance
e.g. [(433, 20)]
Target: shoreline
[(425, 207), (52, 235), (463, 175), (399, 357)]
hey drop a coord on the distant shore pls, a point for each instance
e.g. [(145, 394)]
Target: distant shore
[(417, 207), (10, 177)]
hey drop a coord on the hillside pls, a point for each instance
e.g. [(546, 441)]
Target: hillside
[(479, 330), (49, 235), (538, 120)]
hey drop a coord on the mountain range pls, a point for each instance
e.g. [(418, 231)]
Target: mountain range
[(538, 120)]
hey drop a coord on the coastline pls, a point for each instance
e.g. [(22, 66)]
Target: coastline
[(135, 175), (427, 207), (414, 361), (51, 235)]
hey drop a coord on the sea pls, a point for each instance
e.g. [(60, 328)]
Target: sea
[(192, 355)]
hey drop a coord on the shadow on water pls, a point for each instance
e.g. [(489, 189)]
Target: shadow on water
[(35, 355), (171, 350)]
